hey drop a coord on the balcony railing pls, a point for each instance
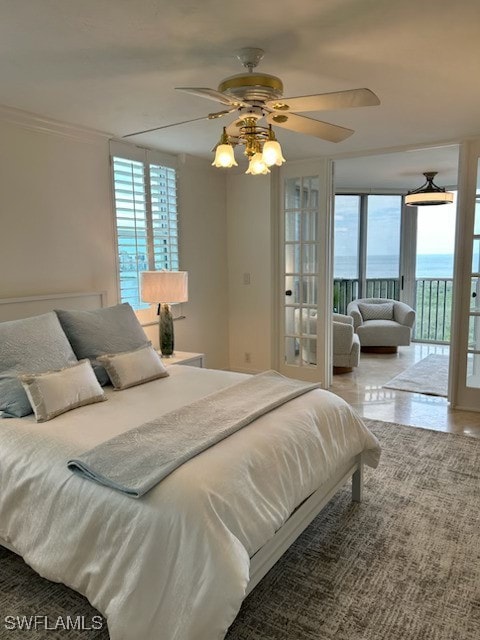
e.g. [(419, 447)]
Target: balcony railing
[(433, 302), (434, 309), (345, 290)]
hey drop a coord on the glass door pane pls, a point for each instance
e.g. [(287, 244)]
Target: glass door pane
[(301, 269), (305, 275), (384, 215), (346, 251), (434, 272), (473, 355)]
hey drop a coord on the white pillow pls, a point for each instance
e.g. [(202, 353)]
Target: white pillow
[(376, 310), (133, 367), (56, 392)]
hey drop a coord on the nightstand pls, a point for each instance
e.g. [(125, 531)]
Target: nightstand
[(185, 357)]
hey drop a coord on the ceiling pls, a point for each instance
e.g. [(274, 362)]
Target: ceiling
[(112, 65)]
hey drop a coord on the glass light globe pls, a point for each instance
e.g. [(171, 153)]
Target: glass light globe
[(257, 165), (224, 156), (272, 153)]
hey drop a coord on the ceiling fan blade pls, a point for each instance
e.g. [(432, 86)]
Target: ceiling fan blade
[(309, 126), (211, 94), (326, 101), (211, 116), (220, 114)]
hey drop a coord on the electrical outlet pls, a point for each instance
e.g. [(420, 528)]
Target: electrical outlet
[(247, 357), (246, 278)]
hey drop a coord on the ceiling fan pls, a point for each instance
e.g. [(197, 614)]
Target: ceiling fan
[(258, 96)]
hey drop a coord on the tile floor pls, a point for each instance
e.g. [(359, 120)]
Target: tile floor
[(363, 390)]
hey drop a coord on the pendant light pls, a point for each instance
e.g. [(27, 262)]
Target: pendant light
[(428, 194)]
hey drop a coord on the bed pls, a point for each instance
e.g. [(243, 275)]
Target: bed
[(178, 562)]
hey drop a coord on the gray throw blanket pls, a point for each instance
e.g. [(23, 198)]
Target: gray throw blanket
[(135, 461)]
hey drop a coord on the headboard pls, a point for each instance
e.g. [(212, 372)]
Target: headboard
[(16, 308)]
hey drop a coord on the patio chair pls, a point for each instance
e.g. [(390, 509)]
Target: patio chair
[(381, 324), (346, 345)]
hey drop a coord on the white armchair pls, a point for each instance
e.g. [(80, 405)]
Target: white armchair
[(346, 345), (382, 324)]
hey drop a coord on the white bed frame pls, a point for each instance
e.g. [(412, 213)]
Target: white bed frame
[(267, 556)]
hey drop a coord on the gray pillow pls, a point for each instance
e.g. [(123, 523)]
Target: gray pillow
[(376, 310), (29, 345), (101, 332)]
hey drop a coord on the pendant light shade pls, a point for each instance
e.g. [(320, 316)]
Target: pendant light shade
[(272, 153), (224, 156), (257, 165), (428, 194)]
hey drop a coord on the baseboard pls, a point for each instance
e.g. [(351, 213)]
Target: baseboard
[(241, 370)]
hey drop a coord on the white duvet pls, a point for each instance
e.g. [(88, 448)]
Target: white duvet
[(173, 565)]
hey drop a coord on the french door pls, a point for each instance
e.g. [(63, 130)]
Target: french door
[(305, 271), (464, 391)]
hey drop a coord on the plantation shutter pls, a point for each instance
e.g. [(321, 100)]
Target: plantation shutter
[(163, 193), (145, 196), (131, 216)]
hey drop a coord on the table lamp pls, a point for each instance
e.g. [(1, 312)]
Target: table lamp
[(165, 288)]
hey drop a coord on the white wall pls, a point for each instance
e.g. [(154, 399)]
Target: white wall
[(57, 232), (250, 252), (203, 253), (55, 216)]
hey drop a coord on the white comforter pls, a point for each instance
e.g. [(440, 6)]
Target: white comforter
[(173, 565)]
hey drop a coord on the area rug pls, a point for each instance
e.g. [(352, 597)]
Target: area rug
[(429, 376), (402, 565)]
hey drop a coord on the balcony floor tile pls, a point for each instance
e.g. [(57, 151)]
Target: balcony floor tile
[(363, 390)]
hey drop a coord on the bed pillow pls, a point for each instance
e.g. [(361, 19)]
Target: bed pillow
[(102, 331), (376, 311), (56, 392), (29, 345), (133, 367)]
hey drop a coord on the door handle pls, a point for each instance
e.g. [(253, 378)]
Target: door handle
[(474, 294), (288, 292)]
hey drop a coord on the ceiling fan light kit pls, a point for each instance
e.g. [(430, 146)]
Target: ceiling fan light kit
[(259, 96), (428, 194), (261, 147)]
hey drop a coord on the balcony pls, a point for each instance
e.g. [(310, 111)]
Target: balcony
[(433, 302)]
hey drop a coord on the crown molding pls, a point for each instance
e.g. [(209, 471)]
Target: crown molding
[(42, 124)]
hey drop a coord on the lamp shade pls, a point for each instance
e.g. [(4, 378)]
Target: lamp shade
[(164, 286)]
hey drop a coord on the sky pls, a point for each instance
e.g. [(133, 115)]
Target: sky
[(436, 229), (435, 226)]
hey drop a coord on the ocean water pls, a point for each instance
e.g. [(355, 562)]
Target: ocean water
[(428, 266)]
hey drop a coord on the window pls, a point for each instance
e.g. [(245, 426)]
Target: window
[(145, 195), (366, 247), (384, 215), (346, 236)]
